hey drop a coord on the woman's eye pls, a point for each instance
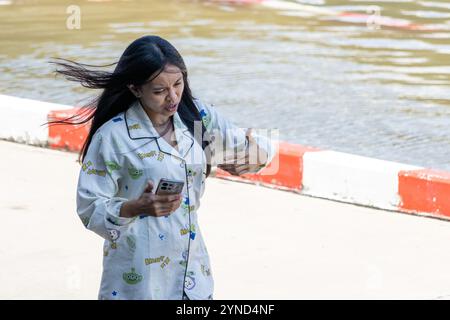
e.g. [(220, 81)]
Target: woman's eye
[(161, 91)]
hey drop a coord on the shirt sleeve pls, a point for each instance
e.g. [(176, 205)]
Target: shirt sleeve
[(228, 138), (97, 205)]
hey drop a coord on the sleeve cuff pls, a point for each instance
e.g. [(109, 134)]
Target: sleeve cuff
[(113, 213)]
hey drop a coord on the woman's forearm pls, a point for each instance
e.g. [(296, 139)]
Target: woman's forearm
[(129, 209)]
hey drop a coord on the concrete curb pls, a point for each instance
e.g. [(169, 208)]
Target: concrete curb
[(306, 170), (23, 118), (359, 180), (372, 19)]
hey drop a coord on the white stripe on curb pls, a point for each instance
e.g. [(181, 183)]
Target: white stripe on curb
[(22, 119), (352, 178), (306, 10)]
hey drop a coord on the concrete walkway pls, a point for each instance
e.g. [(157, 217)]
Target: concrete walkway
[(264, 243)]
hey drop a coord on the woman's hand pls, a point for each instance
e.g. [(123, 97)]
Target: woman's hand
[(242, 165), (151, 204)]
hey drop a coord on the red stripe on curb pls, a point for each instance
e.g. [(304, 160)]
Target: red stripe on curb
[(288, 160), (425, 191), (64, 136)]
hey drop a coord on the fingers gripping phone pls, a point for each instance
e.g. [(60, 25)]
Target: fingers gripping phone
[(167, 186)]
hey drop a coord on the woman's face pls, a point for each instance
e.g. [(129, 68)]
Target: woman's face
[(161, 96)]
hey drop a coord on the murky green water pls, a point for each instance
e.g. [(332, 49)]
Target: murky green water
[(325, 80)]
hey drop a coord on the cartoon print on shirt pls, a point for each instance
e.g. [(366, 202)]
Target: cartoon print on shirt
[(112, 165), (154, 260), (135, 126), (184, 255), (205, 270), (114, 234), (131, 242), (147, 154), (185, 206), (101, 173), (132, 277), (193, 233), (191, 173), (151, 154), (134, 173), (165, 262), (86, 165), (189, 281), (186, 230), (206, 118)]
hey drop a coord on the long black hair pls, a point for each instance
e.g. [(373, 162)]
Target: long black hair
[(143, 58)]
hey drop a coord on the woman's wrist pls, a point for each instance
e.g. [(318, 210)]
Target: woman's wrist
[(129, 209)]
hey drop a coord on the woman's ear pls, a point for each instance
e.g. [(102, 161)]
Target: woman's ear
[(133, 89)]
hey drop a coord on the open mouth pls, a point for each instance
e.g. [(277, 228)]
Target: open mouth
[(172, 107)]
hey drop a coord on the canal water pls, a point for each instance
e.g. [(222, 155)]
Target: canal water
[(365, 77)]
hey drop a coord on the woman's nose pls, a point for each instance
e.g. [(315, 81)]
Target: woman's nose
[(172, 95)]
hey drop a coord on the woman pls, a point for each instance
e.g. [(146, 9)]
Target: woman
[(145, 128)]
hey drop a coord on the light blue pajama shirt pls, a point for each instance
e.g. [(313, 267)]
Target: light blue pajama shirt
[(149, 257)]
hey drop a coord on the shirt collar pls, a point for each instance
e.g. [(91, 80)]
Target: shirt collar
[(139, 126)]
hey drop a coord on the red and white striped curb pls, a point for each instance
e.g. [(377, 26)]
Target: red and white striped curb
[(306, 170), (306, 10), (22, 119)]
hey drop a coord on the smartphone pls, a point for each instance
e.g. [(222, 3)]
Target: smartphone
[(167, 186)]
